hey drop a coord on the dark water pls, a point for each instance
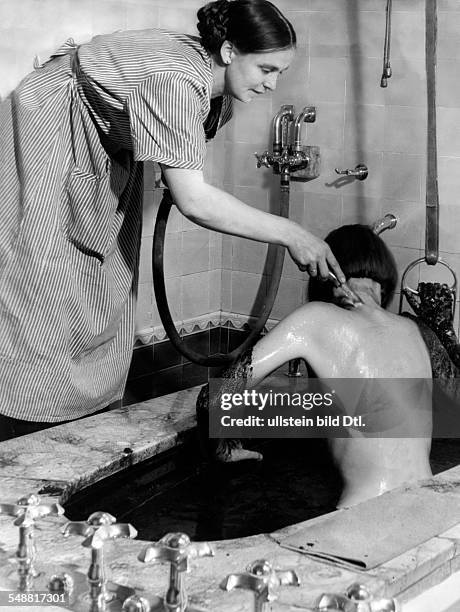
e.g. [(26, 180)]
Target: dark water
[(296, 481)]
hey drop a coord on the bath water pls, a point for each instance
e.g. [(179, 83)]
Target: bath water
[(296, 481)]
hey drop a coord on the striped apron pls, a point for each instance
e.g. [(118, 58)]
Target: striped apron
[(70, 224)]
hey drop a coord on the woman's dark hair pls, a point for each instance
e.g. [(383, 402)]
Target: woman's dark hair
[(253, 26), (361, 254)]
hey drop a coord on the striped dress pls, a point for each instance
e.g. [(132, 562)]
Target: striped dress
[(72, 139)]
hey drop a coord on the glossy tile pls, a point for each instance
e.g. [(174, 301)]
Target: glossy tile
[(402, 176), (364, 127), (215, 290), (195, 251), (449, 180), (248, 256), (448, 131), (360, 210), (404, 129), (195, 294), (326, 80), (251, 122), (248, 292)]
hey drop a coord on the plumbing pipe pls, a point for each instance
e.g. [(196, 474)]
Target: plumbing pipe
[(308, 115), (286, 113)]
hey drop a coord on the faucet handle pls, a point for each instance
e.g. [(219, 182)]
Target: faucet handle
[(99, 527), (360, 172), (365, 602), (356, 599), (262, 580), (177, 549), (264, 160), (28, 509)]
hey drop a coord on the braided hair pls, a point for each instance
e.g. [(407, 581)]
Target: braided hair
[(253, 26)]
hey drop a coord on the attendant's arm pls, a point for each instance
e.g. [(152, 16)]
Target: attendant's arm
[(215, 209)]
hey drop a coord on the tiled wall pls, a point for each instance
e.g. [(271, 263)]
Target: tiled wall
[(338, 69)]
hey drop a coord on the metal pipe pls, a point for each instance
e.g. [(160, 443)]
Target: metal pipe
[(386, 73), (308, 115), (285, 112)]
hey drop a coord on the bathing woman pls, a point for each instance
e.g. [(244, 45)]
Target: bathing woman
[(341, 340), (72, 138)]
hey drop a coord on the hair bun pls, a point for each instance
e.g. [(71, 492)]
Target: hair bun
[(212, 24)]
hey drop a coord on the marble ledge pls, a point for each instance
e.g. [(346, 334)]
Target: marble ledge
[(57, 462)]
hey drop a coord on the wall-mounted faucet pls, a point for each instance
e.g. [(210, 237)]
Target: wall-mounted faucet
[(287, 156)]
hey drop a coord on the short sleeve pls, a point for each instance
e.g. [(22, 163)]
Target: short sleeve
[(167, 112)]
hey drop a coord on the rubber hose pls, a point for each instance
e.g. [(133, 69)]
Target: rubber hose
[(162, 301)]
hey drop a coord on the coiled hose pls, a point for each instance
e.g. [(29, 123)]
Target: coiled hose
[(220, 359)]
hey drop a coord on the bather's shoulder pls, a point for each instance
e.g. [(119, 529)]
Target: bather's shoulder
[(315, 317)]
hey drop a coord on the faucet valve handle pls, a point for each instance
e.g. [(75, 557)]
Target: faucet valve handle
[(264, 160), (177, 550), (360, 172), (262, 580), (26, 511), (100, 527), (356, 599)]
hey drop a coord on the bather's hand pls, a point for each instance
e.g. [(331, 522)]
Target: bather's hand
[(313, 255)]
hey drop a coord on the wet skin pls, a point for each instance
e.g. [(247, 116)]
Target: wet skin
[(363, 341)]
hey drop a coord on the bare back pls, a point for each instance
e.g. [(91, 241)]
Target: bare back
[(368, 342)]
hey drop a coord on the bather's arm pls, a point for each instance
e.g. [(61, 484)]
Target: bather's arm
[(290, 339)]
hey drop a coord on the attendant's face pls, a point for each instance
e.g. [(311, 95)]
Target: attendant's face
[(249, 75)]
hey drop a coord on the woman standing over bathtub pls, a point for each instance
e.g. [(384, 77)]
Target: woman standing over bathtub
[(72, 136)]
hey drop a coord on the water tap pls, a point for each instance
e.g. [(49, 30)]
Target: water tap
[(387, 222), (177, 550), (27, 510), (263, 581), (356, 599), (98, 529)]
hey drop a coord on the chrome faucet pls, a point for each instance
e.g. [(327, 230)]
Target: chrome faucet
[(307, 115), (263, 581), (287, 157), (280, 127), (27, 510), (100, 527), (387, 222), (177, 550)]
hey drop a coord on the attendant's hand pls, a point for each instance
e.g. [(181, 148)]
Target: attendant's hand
[(313, 255)]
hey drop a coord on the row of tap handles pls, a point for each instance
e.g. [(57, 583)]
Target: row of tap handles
[(98, 594)]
